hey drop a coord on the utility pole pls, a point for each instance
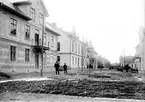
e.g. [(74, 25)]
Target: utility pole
[(124, 57), (144, 12), (43, 27), (0, 13), (82, 58)]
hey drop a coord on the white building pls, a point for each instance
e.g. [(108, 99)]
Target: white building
[(70, 49)]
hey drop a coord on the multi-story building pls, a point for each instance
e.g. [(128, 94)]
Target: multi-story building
[(76, 48), (21, 27), (50, 40), (71, 50)]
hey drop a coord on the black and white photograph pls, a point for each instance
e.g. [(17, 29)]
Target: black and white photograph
[(72, 50)]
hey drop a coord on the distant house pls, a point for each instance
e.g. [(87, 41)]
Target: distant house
[(128, 60), (92, 55), (21, 24), (85, 52), (140, 51)]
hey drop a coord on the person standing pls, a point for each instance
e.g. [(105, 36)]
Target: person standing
[(56, 65), (65, 68)]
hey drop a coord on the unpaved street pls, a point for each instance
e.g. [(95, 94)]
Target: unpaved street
[(88, 86)]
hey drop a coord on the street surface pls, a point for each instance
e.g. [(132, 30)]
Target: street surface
[(12, 96)]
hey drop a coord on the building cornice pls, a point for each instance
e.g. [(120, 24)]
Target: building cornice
[(13, 41), (22, 3), (70, 53)]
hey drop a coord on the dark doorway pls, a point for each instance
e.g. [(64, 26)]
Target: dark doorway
[(58, 58)]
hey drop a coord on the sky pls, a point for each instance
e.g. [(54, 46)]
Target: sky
[(112, 25)]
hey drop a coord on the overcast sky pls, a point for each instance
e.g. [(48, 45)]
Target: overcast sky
[(111, 25)]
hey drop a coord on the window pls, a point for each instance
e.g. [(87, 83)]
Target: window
[(58, 58), (73, 46), (27, 55), (36, 37), (48, 44), (13, 26), (44, 39), (78, 49), (52, 41), (12, 53), (58, 46), (41, 18), (76, 60), (32, 14), (73, 60), (27, 32)]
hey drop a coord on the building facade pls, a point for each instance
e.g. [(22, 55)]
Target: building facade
[(93, 56), (71, 49), (51, 41), (128, 60), (85, 54), (140, 51), (21, 27)]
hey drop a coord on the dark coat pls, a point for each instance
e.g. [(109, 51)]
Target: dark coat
[(56, 65), (65, 67)]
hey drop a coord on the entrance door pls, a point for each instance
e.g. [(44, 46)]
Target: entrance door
[(78, 62), (36, 60)]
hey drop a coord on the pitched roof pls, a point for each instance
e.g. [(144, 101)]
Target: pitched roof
[(21, 2), (44, 8), (7, 5), (51, 28)]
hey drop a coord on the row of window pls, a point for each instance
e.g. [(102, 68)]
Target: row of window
[(33, 15), (13, 28), (13, 51), (76, 48), (76, 61), (27, 29), (27, 33)]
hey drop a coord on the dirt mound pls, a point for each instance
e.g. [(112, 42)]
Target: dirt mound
[(84, 88), (4, 76)]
